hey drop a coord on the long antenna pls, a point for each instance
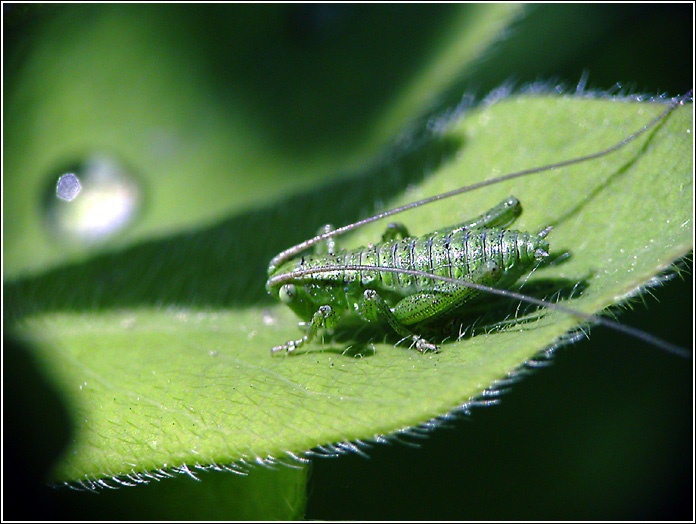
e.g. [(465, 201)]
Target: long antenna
[(290, 252)]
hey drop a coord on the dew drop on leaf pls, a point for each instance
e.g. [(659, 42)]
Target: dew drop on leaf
[(91, 200)]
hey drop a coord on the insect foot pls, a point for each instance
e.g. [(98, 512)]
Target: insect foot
[(423, 345), (321, 318), (289, 347), (540, 253)]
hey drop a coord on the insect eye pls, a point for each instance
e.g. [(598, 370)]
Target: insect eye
[(287, 293)]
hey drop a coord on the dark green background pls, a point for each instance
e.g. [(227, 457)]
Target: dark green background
[(550, 450)]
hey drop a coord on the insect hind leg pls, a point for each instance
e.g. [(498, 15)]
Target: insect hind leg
[(499, 216), (373, 308)]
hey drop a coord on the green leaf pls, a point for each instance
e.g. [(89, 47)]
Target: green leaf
[(192, 382)]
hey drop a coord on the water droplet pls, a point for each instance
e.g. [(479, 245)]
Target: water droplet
[(68, 187), (91, 200)]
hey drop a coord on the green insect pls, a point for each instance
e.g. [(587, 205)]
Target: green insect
[(479, 251), (408, 283)]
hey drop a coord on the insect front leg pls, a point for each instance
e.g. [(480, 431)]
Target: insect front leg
[(324, 317), (373, 308)]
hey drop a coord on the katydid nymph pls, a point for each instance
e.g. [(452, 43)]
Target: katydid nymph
[(409, 283)]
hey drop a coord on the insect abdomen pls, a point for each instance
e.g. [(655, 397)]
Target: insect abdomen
[(457, 254)]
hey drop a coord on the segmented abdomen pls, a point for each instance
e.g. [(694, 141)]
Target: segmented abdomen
[(457, 254)]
